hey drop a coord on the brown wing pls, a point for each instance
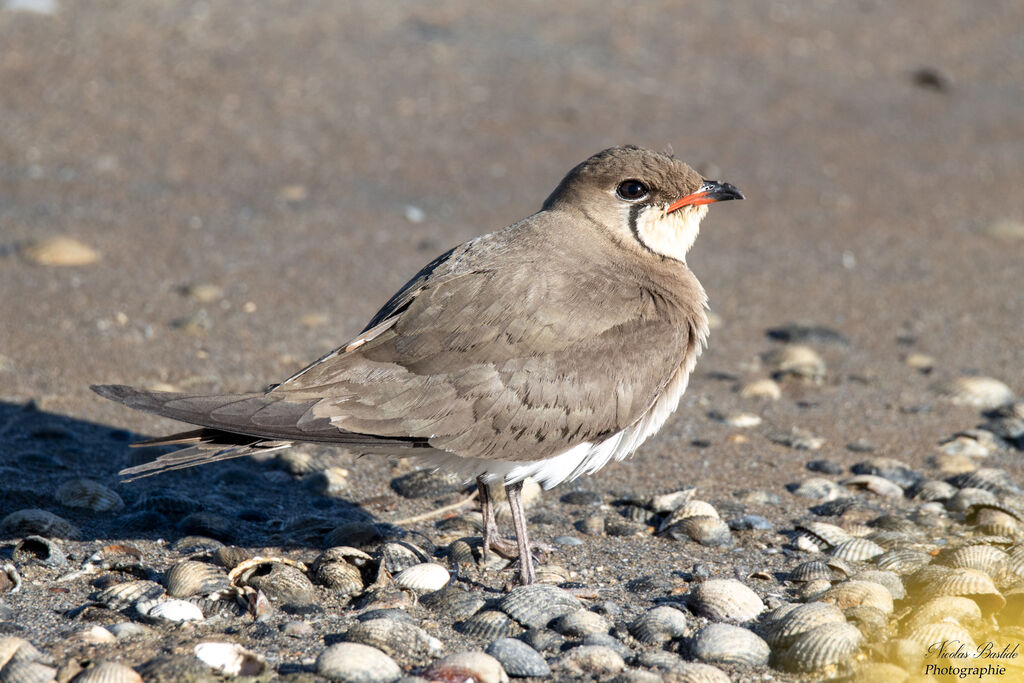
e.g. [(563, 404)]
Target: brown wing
[(494, 355)]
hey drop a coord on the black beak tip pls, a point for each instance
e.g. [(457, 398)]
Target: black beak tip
[(720, 191)]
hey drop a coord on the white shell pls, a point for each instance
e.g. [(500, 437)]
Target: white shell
[(979, 392), (170, 610), (108, 672), (231, 659), (423, 578), (59, 250), (725, 600), (762, 388), (356, 662), (482, 667)]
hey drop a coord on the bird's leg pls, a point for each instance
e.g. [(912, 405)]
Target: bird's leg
[(502, 546), (515, 502)]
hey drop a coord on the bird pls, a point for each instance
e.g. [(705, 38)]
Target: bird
[(545, 349)]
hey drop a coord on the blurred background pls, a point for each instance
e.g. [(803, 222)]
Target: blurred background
[(208, 195)]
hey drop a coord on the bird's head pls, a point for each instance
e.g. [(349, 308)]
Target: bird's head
[(650, 199)]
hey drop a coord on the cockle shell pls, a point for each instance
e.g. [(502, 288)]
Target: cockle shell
[(725, 600)]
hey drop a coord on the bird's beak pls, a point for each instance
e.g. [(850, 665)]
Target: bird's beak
[(711, 191)]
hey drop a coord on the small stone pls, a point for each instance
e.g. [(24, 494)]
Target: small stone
[(921, 362), (203, 292), (567, 540), (297, 629), (825, 467), (582, 498)]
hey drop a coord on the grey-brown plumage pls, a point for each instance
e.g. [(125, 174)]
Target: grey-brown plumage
[(545, 349)]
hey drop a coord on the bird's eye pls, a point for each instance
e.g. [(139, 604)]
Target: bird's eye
[(631, 190)]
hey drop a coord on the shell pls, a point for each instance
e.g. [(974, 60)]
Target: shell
[(108, 672), (673, 500), (173, 611), (828, 535), (398, 555), (122, 595), (984, 558), (535, 606), (741, 420), (934, 489), (985, 393), (969, 583), (519, 659), (816, 488), (355, 662), (426, 484), (488, 625), (964, 499), (426, 577), (229, 556), (461, 552), (729, 645), (876, 485), (581, 623), (281, 583), (857, 550), (462, 666), (798, 361), (890, 580), (26, 671), (991, 520), (986, 478), (454, 602), (725, 600), (902, 560), (822, 647), (14, 648), (799, 620), (87, 494), (943, 632), (891, 469), (35, 522), (761, 389), (950, 608), (341, 577), (659, 625), (398, 638), (810, 571), (59, 250), (231, 659), (854, 593), (798, 439), (189, 577), (692, 508), (597, 660), (39, 550), (708, 531)]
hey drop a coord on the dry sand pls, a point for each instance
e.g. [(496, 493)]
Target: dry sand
[(293, 164)]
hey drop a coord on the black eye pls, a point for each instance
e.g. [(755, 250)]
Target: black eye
[(631, 190)]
